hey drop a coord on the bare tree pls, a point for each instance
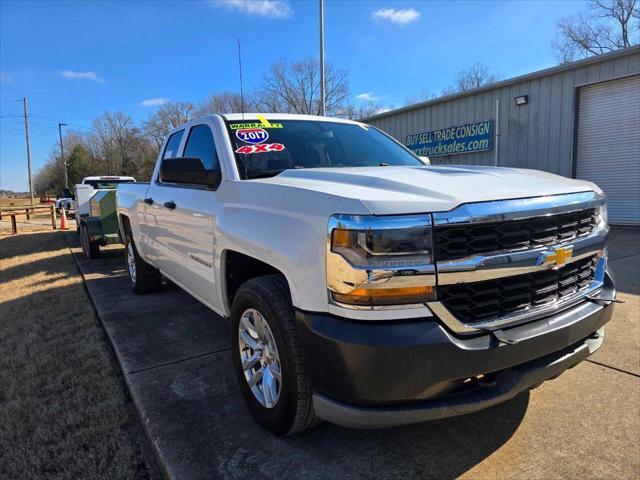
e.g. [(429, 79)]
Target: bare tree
[(50, 177), (295, 88), (474, 77), (360, 112), (121, 129), (423, 96), (167, 117), (119, 147), (227, 102), (608, 25)]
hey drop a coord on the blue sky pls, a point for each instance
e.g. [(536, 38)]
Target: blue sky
[(75, 60)]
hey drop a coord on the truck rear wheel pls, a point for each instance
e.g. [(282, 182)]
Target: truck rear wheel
[(267, 357), (90, 249), (143, 277)]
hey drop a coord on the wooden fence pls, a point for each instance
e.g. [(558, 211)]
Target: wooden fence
[(13, 212)]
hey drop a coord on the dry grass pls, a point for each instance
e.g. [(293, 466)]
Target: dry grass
[(64, 410), (34, 225), (17, 202)]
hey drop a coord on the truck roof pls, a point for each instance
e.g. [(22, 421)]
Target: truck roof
[(236, 117), (255, 117), (108, 177)]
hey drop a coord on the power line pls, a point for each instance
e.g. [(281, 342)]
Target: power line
[(46, 117)]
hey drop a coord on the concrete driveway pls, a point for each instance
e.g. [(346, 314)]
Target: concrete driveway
[(175, 357)]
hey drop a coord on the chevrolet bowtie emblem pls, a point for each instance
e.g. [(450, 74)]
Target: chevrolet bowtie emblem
[(559, 256)]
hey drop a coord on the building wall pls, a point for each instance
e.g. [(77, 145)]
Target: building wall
[(537, 135)]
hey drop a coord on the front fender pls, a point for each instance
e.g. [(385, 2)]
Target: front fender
[(284, 227), (292, 244)]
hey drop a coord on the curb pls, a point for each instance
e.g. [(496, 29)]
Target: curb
[(148, 446)]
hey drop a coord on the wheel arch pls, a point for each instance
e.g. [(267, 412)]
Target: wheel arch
[(237, 268), (124, 225)]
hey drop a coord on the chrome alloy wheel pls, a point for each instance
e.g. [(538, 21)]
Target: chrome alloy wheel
[(131, 262), (259, 358)]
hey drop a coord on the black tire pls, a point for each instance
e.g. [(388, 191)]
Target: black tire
[(91, 250), (293, 411), (145, 278)]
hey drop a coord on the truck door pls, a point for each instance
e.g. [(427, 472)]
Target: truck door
[(153, 228), (184, 216)]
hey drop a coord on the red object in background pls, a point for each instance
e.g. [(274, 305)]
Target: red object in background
[(46, 198)]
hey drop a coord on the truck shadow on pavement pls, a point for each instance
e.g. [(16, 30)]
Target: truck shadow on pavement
[(174, 353)]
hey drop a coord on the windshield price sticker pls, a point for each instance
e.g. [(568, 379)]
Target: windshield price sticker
[(252, 135), (260, 148)]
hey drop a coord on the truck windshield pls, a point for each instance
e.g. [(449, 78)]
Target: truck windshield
[(264, 149)]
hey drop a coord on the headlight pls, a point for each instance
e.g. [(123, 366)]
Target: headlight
[(602, 215), (399, 247), (374, 261)]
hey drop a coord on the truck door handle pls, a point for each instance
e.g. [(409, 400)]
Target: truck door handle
[(171, 205), (148, 201)]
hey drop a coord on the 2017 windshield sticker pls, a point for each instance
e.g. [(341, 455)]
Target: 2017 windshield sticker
[(260, 148), (240, 126), (252, 135)]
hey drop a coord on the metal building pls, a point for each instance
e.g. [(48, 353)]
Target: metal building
[(580, 120)]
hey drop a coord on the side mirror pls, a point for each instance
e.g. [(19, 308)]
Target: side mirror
[(190, 171), (426, 160)]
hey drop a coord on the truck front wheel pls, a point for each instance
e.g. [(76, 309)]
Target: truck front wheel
[(267, 357), (143, 277)]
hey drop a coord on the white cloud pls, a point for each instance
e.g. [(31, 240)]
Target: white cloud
[(367, 97), (5, 77), (82, 75), (262, 8), (382, 110), (153, 102), (401, 16)]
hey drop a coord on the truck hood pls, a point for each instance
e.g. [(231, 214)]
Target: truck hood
[(398, 190)]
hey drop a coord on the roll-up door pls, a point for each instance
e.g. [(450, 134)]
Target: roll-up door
[(608, 146)]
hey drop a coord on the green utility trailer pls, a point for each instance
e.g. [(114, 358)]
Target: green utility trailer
[(100, 227)]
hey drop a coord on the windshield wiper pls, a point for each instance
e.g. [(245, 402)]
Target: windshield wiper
[(266, 173)]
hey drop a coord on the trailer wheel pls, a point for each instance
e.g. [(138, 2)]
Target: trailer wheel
[(90, 249), (143, 277)]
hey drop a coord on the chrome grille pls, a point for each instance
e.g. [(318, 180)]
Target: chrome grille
[(454, 242), (474, 302)]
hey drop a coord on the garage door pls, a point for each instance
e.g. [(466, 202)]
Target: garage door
[(608, 149)]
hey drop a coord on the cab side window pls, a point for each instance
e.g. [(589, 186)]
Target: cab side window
[(200, 145), (171, 149)]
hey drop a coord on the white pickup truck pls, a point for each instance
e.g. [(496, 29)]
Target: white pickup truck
[(362, 286)]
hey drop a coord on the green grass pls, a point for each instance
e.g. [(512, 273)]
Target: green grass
[(64, 410)]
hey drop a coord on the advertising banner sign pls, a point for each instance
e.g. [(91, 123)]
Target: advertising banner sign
[(473, 137)]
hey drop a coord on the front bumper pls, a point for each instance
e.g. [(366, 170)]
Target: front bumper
[(386, 373)]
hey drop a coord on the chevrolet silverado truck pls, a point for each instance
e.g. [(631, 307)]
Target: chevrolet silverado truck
[(362, 286)]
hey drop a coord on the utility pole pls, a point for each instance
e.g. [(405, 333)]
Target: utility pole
[(26, 133), (322, 84), (64, 162)]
